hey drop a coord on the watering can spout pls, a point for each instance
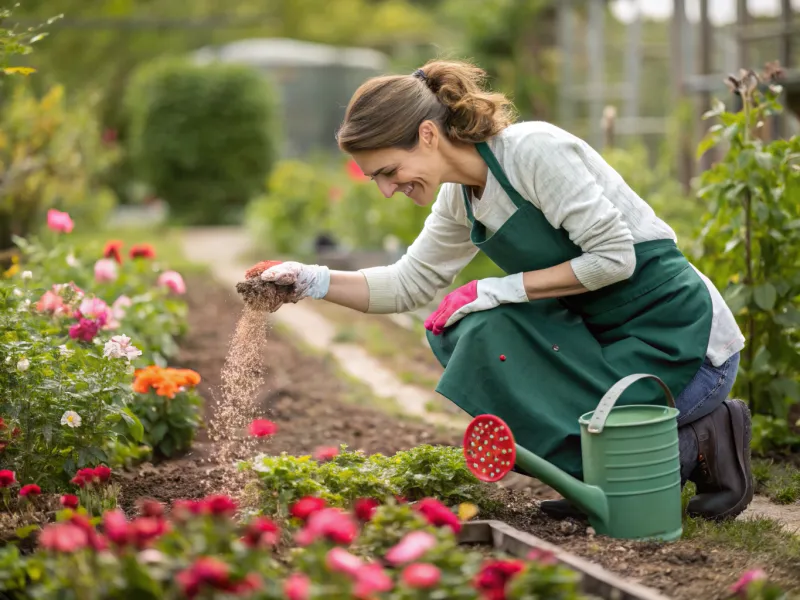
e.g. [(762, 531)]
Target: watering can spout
[(588, 498)]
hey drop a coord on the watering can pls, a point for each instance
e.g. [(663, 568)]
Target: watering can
[(631, 467)]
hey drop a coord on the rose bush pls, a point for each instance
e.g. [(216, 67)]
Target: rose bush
[(201, 551)]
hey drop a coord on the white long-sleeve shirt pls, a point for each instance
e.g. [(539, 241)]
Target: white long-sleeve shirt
[(576, 189)]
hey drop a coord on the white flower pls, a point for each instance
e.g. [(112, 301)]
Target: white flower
[(120, 346), (71, 418), (18, 293), (64, 351), (23, 365), (27, 275), (71, 260)]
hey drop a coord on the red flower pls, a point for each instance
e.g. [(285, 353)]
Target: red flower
[(323, 453), (297, 587), (116, 527), (355, 172), (437, 514), (144, 530), (184, 509), (112, 250), (220, 505), (305, 507), (207, 571), (30, 490), (69, 501), (63, 537), (83, 477), (96, 541), (365, 508), (142, 251), (7, 478), (151, 508), (340, 560), (262, 428), (493, 577), (102, 473), (421, 575), (85, 329), (261, 531), (330, 523)]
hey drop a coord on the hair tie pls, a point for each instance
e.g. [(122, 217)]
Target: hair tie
[(420, 74)]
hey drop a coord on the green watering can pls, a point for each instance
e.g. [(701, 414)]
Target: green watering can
[(631, 467)]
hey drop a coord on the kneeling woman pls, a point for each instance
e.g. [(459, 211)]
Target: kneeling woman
[(596, 287)]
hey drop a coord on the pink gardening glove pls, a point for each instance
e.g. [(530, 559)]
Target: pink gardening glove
[(476, 296)]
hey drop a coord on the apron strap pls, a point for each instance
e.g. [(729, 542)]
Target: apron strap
[(494, 166)]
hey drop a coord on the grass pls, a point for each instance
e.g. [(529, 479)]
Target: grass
[(166, 240), (780, 482)]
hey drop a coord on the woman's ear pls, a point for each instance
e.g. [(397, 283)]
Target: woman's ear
[(428, 135)]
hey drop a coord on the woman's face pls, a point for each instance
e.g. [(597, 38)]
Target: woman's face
[(415, 173)]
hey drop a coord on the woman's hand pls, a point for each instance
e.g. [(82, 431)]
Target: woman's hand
[(307, 281), (476, 296)]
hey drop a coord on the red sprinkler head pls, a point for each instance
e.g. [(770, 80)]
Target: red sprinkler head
[(489, 448)]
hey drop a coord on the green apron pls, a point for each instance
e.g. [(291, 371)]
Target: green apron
[(561, 355)]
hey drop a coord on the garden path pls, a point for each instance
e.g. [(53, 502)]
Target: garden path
[(222, 248)]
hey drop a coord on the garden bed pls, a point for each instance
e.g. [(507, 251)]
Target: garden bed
[(314, 407)]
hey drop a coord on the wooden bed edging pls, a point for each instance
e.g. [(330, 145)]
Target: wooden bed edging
[(595, 580)]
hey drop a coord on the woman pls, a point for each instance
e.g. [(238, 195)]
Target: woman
[(596, 288)]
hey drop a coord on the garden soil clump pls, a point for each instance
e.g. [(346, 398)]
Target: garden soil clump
[(309, 403)]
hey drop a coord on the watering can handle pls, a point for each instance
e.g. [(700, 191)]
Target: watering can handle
[(598, 419)]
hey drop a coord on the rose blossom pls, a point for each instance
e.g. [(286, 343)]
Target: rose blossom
[(341, 561), (94, 308), (7, 478), (69, 501), (740, 587), (262, 428), (305, 507), (261, 531), (370, 579), (364, 508), (112, 250), (63, 537), (105, 270), (172, 280), (30, 489), (411, 547), (142, 251), (120, 346), (437, 514), (59, 221), (495, 575), (330, 523), (324, 453), (421, 575), (297, 587)]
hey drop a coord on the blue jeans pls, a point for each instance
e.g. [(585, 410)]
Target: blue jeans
[(707, 390)]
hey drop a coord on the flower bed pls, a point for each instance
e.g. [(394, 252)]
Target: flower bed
[(77, 329)]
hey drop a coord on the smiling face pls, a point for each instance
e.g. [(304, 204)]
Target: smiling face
[(417, 173)]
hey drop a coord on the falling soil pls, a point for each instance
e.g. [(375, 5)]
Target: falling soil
[(310, 404), (263, 296)]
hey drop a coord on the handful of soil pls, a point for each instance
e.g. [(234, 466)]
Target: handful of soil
[(261, 295)]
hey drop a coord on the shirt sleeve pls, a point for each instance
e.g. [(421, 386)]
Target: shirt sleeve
[(430, 264), (569, 196)]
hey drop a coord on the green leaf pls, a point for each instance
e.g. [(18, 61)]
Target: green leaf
[(134, 424), (737, 297), (24, 532), (789, 318), (786, 388), (158, 432), (167, 446), (765, 160), (765, 296), (761, 361)]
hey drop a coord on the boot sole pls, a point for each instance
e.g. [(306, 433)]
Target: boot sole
[(742, 435)]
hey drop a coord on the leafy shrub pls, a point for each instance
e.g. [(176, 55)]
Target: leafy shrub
[(199, 550), (422, 471), (203, 138), (168, 406), (51, 155), (751, 242)]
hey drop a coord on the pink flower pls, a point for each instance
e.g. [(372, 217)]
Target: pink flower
[(411, 547), (331, 523), (740, 587), (261, 531), (105, 270), (437, 514), (84, 329), (341, 561), (116, 527), (30, 490), (94, 308), (324, 453), (118, 307), (305, 507), (421, 575), (220, 505), (297, 587), (172, 280), (119, 346), (365, 508), (7, 478), (50, 302), (59, 221), (262, 428), (544, 557), (69, 501), (370, 579), (63, 537)]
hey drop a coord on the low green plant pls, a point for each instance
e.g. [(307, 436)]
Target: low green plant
[(751, 239)]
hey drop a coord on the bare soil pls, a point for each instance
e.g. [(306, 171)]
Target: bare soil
[(309, 402)]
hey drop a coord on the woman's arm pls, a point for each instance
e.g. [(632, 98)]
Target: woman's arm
[(349, 289), (553, 282)]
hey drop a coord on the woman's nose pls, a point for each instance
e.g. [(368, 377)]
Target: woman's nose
[(387, 188)]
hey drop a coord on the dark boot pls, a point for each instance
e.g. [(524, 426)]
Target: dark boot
[(562, 509), (722, 476)]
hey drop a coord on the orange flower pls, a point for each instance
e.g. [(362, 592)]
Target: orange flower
[(165, 382)]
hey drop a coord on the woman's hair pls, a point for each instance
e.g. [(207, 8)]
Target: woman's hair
[(386, 111)]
